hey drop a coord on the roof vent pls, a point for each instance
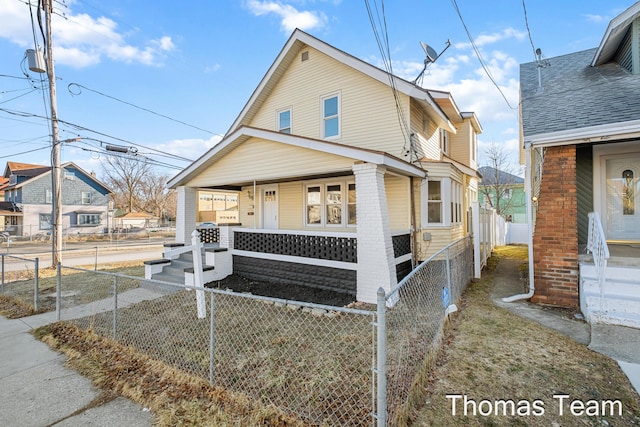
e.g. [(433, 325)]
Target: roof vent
[(304, 56)]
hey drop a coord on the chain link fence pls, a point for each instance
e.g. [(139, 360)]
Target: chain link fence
[(416, 312), (19, 278), (313, 361), (325, 365)]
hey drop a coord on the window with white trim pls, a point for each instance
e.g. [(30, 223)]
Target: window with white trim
[(444, 141), (331, 116), (45, 222), (284, 120), (85, 219), (331, 204), (474, 146), (434, 202), (48, 198), (86, 198), (456, 202)]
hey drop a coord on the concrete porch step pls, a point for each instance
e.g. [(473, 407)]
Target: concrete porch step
[(618, 303)]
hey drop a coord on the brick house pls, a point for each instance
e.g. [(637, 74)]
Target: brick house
[(28, 196), (580, 130)]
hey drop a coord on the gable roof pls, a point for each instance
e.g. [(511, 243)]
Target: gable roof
[(136, 215), (489, 173), (244, 133), (583, 96), (297, 41), (578, 102), (24, 169), (614, 34), (33, 171)]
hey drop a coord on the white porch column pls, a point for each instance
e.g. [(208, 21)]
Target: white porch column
[(186, 213), (376, 263)]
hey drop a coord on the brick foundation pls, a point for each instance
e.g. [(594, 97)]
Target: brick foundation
[(555, 241)]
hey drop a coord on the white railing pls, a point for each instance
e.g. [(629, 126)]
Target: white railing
[(597, 246)]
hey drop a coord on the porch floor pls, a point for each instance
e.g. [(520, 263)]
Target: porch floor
[(620, 254)]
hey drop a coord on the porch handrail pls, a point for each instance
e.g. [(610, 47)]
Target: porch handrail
[(597, 246)]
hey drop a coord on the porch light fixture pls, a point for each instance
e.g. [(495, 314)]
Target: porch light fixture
[(249, 194)]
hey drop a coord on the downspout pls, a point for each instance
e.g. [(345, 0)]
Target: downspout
[(529, 196), (413, 227), (255, 201)]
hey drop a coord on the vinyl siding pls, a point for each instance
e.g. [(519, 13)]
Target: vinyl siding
[(427, 140), (398, 201), (368, 116), (460, 149), (439, 239), (291, 206), (584, 182), (266, 160)]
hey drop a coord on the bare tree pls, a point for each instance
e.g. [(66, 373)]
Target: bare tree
[(498, 180), (158, 199), (126, 175)]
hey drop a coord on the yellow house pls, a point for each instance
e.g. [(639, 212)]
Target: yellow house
[(346, 176)]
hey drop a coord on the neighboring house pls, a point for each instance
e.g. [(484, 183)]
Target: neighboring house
[(345, 181), (581, 135), (218, 207), (504, 192), (135, 220), (5, 208), (84, 204)]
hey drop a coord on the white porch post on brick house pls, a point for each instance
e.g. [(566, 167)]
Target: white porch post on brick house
[(376, 262), (186, 213)]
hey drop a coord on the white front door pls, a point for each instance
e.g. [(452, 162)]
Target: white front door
[(622, 196), (270, 207)]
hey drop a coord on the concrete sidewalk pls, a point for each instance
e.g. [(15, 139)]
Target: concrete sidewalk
[(620, 343), (36, 389)]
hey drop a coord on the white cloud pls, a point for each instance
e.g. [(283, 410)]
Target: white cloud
[(595, 18), (188, 148), (81, 40), (487, 39), (290, 17)]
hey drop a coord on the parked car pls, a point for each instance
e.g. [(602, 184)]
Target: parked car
[(207, 225), (4, 236)]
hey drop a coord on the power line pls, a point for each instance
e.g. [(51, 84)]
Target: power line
[(25, 152), (83, 128), (526, 22), (385, 52), (70, 85), (479, 55)]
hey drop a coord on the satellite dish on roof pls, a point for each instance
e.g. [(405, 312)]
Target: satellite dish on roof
[(431, 57), (431, 53)]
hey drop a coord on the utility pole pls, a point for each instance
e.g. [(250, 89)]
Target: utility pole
[(56, 181)]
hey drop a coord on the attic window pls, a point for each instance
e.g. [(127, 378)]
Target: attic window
[(13, 179), (304, 56)]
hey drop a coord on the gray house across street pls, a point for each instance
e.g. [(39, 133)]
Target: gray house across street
[(27, 205)]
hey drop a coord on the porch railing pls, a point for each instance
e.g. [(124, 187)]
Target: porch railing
[(597, 246)]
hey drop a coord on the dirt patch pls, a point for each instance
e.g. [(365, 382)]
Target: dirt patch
[(283, 291)]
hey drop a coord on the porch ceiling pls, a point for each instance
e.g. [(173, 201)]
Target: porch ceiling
[(251, 154)]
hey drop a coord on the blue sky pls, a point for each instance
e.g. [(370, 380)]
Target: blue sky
[(170, 77)]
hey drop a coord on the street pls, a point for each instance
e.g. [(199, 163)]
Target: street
[(84, 253)]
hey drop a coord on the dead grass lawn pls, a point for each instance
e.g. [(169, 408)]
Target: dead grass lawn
[(491, 354)]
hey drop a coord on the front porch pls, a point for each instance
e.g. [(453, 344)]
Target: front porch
[(610, 293), (322, 260)]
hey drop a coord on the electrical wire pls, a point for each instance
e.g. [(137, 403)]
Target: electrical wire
[(479, 55), (25, 152), (385, 52), (526, 22), (133, 105), (83, 128)]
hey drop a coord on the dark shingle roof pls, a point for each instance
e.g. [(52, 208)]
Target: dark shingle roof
[(576, 95)]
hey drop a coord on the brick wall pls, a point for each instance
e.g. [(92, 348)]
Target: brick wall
[(555, 241)]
